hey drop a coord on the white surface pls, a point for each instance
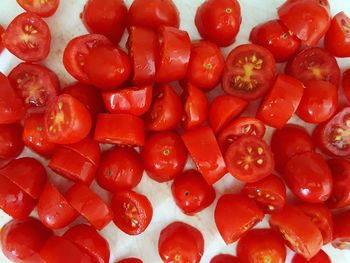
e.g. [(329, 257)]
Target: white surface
[(66, 24)]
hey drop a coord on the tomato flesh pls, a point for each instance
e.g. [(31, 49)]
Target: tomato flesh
[(42, 8)]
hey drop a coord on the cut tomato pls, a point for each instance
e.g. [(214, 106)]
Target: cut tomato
[(341, 238), (11, 144), (337, 39), (42, 8), (321, 257)]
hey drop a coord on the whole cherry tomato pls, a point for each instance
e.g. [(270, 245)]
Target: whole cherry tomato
[(321, 257), (224, 258), (11, 144), (346, 84), (43, 8), (341, 234)]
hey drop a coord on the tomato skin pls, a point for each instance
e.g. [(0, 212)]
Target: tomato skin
[(276, 37), (120, 169), (286, 94), (180, 240), (210, 164), (321, 257), (224, 258), (11, 144), (133, 212), (164, 155), (46, 9), (130, 260), (206, 65), (341, 234), (192, 193), (346, 84)]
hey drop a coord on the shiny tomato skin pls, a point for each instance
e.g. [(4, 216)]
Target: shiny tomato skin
[(276, 37), (130, 260), (11, 144), (180, 242), (224, 258), (120, 169), (192, 193), (346, 84), (164, 155), (281, 102), (153, 14), (321, 257), (43, 9), (341, 232), (1, 42), (132, 100), (206, 65), (211, 163), (133, 212), (249, 72)]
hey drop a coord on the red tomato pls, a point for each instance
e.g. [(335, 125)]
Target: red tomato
[(211, 163), (235, 215), (21, 241), (337, 39), (308, 20), (300, 233), (346, 84), (28, 37), (314, 63), (133, 212), (289, 141), (224, 258), (77, 50), (131, 100), (321, 257), (89, 205), (106, 18), (166, 110), (206, 65), (341, 236), (37, 85), (249, 159), (180, 242), (174, 52), (269, 193), (277, 38), (42, 8), (239, 127), (224, 109), (130, 260), (120, 169), (11, 144), (28, 174), (281, 102), (164, 155), (195, 107), (192, 193), (90, 241), (219, 21), (249, 72), (143, 48), (1, 42), (67, 120), (53, 209), (124, 129)]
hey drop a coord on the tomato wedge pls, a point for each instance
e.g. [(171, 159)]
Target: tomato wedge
[(224, 258), (321, 257), (346, 84), (11, 144), (41, 8), (341, 236), (1, 42), (337, 39)]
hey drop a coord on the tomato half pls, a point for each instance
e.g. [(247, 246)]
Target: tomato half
[(2, 30), (321, 257), (180, 242), (346, 84), (42, 8), (341, 236), (130, 260), (11, 144), (133, 212), (249, 72), (224, 258)]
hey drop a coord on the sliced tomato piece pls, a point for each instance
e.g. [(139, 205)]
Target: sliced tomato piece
[(2, 30), (224, 258), (341, 236), (11, 144), (321, 257), (346, 84), (42, 8), (337, 39)]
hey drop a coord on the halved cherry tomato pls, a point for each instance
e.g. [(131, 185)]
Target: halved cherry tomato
[(224, 258), (90, 241), (133, 212), (106, 17), (289, 141), (166, 110), (36, 84), (269, 193), (42, 8), (219, 21), (180, 242), (130, 260), (206, 65), (308, 20), (53, 209), (235, 215), (224, 109), (277, 38), (2, 30), (21, 241), (143, 47), (28, 37), (341, 236), (314, 63), (298, 230), (249, 159), (164, 155), (77, 50), (131, 100), (11, 144), (321, 257), (239, 127), (346, 84), (124, 129), (192, 193), (249, 72), (211, 163), (120, 169), (281, 102), (67, 120)]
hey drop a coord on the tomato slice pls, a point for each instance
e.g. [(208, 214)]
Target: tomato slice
[(337, 39), (249, 159), (133, 212), (249, 72), (346, 84), (11, 144), (28, 37), (341, 237), (321, 257), (224, 258), (2, 30), (41, 8)]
